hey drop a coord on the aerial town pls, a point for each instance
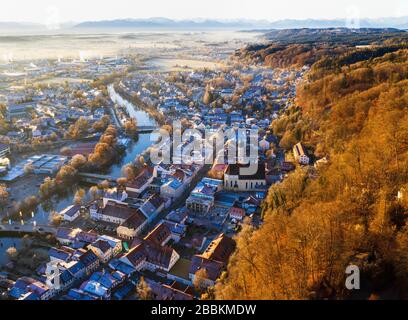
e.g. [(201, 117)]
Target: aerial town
[(86, 212), (89, 215), (200, 158)]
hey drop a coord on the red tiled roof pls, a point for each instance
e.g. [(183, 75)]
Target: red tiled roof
[(237, 212), (220, 249), (118, 210), (141, 179), (135, 220), (159, 234)]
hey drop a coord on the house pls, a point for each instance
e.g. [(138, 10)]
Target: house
[(236, 213), (151, 253), (77, 269), (71, 213), (172, 189), (300, 154), (121, 267), (114, 243), (106, 279), (90, 261), (151, 256), (178, 216), (201, 198), (214, 260), (112, 212), (102, 250), (175, 291), (64, 254), (57, 277), (177, 230), (27, 288), (141, 182), (41, 290), (17, 111), (237, 179), (95, 289), (152, 206), (76, 294), (132, 226), (86, 237), (67, 236), (4, 150), (160, 235), (106, 248)]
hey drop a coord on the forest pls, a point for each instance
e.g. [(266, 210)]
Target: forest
[(351, 109)]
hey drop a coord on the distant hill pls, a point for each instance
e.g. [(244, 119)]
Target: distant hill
[(248, 25), (164, 23), (360, 36), (399, 22)]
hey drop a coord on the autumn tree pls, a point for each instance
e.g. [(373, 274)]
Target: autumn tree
[(143, 290)]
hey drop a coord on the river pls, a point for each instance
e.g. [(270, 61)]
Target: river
[(6, 243), (135, 148), (58, 203)]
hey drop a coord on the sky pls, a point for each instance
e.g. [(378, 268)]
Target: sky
[(58, 11)]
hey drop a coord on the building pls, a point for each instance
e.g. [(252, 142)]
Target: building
[(213, 260), (236, 213), (17, 111), (175, 291), (71, 213), (90, 260), (106, 248), (172, 189), (67, 236), (141, 182), (152, 207), (201, 199), (112, 212), (46, 164), (151, 252), (132, 226), (237, 179), (150, 256), (300, 154), (4, 150)]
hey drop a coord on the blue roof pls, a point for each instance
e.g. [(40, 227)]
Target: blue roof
[(88, 258), (17, 292), (75, 268), (122, 267), (66, 277), (175, 184), (123, 291), (31, 297), (105, 279)]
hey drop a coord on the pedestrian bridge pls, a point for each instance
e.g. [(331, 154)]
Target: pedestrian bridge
[(26, 228), (94, 178), (146, 129)]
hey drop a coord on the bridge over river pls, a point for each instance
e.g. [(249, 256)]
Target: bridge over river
[(26, 228), (94, 178)]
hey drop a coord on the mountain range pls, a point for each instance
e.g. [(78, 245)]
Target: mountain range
[(203, 24)]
